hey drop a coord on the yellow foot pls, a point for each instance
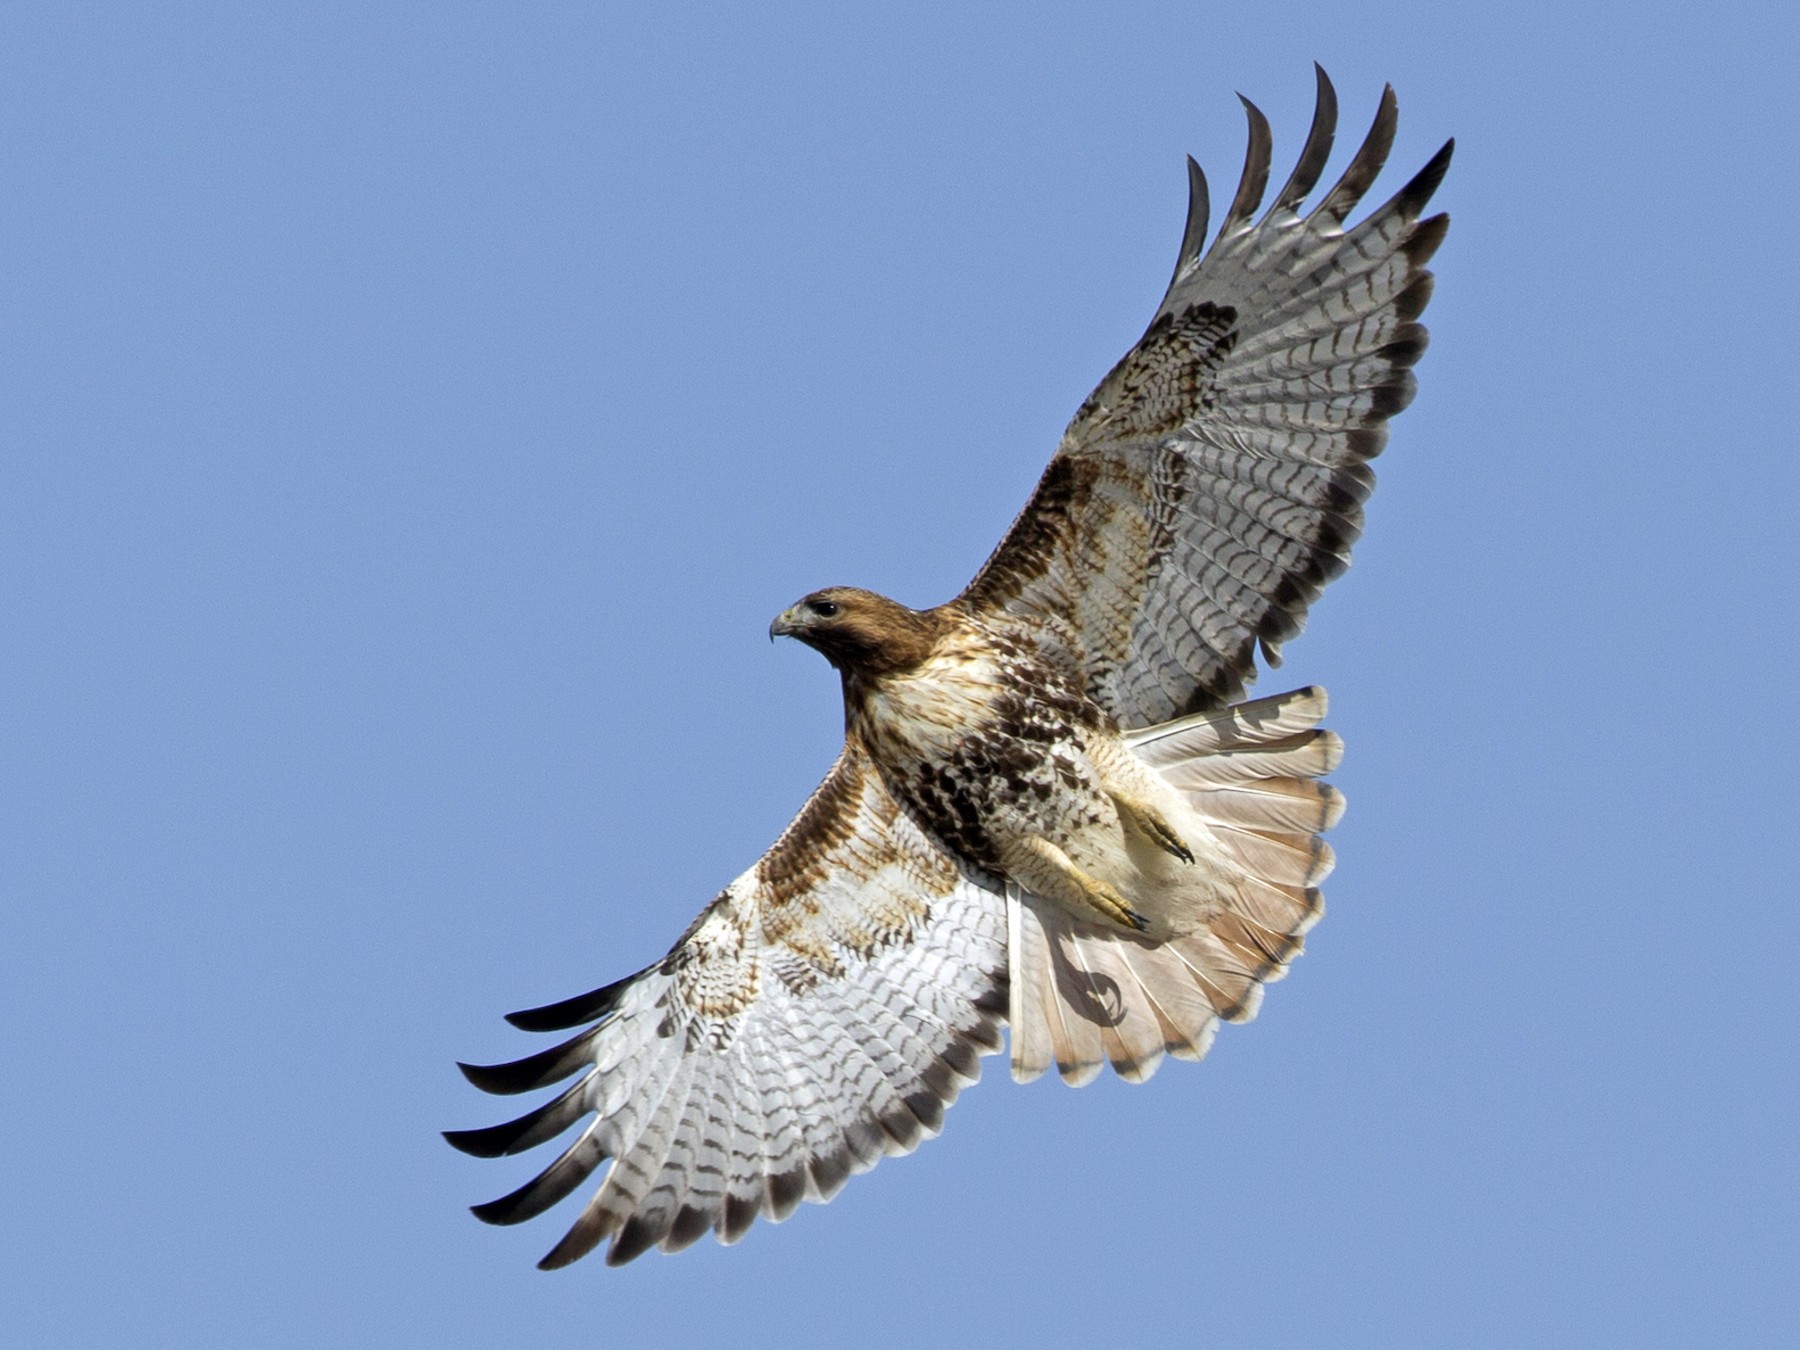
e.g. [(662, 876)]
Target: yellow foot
[(1040, 866), (1105, 897), (1150, 823)]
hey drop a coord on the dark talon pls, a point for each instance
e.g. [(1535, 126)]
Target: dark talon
[(1149, 822), (1172, 842)]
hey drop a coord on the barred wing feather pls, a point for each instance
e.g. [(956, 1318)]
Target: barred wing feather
[(819, 1015), (1214, 481)]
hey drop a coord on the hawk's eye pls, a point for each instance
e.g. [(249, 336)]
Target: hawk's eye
[(825, 609)]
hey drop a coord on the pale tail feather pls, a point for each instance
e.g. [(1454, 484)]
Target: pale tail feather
[(1030, 996), (1084, 993), (1257, 722)]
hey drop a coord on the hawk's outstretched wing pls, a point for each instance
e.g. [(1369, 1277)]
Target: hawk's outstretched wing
[(818, 1015), (1214, 482)]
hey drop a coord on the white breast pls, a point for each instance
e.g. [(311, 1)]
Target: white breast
[(922, 716)]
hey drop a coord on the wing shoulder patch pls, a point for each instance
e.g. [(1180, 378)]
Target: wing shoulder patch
[(1164, 382)]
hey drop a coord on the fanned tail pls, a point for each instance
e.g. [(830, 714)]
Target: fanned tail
[(1084, 994)]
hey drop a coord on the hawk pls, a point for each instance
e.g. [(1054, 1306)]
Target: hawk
[(1053, 809)]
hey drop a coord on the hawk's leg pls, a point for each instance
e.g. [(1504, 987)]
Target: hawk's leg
[(1044, 869), (1152, 824)]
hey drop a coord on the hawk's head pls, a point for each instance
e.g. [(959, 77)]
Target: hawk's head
[(860, 632)]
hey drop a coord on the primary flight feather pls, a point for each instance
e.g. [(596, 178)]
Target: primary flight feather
[(1051, 810)]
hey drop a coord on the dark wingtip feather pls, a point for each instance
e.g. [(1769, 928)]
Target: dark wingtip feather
[(985, 1037), (638, 1236), (943, 1079), (1389, 398), (1274, 628), (740, 1214), (1365, 443), (1421, 185), (1425, 238), (506, 1080), (516, 1206), (460, 1140), (547, 1188), (902, 1126), (784, 1190), (572, 1012), (534, 1071), (829, 1171), (583, 1236), (690, 1225), (528, 1131), (960, 1055), (494, 1211), (476, 1143), (928, 1109), (1370, 156), (1411, 302), (1255, 179), (1193, 238), (1317, 149), (1407, 345)]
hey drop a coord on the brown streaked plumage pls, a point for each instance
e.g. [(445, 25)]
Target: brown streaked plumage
[(1050, 811)]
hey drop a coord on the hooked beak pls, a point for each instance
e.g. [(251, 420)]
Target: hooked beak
[(788, 623)]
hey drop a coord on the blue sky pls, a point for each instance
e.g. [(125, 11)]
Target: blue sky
[(414, 415)]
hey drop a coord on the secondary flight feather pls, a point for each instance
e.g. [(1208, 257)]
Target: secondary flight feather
[(1052, 810)]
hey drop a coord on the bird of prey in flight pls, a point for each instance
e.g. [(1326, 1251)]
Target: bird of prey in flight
[(1054, 809)]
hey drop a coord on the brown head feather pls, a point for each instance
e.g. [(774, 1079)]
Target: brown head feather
[(863, 634)]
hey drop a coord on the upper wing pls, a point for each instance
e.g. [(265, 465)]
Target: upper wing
[(819, 1014), (1214, 482)]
